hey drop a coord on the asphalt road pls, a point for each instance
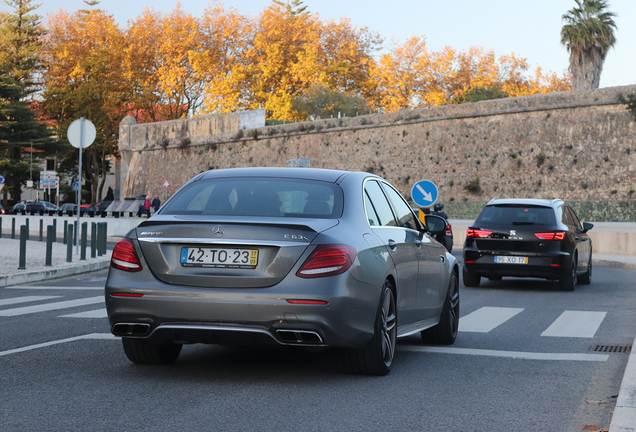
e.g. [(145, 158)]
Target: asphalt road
[(62, 371)]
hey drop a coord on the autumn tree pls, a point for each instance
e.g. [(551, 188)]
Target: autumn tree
[(320, 102), (588, 35), (83, 77)]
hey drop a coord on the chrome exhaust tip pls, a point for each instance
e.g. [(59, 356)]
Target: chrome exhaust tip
[(131, 329), (299, 337)]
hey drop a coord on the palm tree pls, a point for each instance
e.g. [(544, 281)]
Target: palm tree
[(588, 35)]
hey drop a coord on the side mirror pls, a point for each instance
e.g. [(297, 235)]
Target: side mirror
[(587, 226), (435, 224)]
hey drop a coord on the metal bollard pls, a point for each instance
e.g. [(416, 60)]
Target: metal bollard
[(12, 228), (65, 231), (27, 225), (50, 238), (55, 229), (83, 242), (93, 239), (105, 240), (69, 243), (23, 240), (0, 227), (41, 229)]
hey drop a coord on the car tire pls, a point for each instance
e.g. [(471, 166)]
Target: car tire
[(377, 357), (445, 332), (143, 352), (586, 278), (568, 282), (470, 279)]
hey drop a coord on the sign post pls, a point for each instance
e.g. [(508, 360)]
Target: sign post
[(81, 134), (165, 185)]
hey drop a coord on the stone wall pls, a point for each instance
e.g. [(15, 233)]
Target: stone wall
[(579, 146)]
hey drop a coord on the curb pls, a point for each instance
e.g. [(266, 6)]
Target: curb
[(623, 419), (614, 264), (40, 275)]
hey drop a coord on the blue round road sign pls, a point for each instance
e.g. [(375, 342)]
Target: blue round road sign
[(424, 193), (1, 179)]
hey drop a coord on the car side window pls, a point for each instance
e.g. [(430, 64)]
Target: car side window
[(574, 218), (380, 203), (372, 216), (565, 218), (405, 215)]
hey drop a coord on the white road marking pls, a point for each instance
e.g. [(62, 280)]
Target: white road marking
[(51, 306), (580, 324), (57, 288), (25, 299), (91, 336), (486, 319), (506, 354), (97, 313)]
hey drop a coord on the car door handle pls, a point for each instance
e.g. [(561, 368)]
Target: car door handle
[(418, 243), (442, 258), (392, 244)]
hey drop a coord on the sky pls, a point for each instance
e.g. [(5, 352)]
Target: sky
[(530, 29)]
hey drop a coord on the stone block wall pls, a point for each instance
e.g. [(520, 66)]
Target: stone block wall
[(579, 146)]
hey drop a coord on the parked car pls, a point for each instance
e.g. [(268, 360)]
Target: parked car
[(50, 206), (528, 238), (72, 208), (283, 256), (102, 206), (28, 207)]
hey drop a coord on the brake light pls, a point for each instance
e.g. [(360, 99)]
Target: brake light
[(308, 302), (551, 235), (133, 295), (124, 256), (327, 260), (449, 231), (477, 233)]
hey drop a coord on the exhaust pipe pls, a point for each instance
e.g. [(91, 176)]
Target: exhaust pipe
[(131, 329), (301, 337)]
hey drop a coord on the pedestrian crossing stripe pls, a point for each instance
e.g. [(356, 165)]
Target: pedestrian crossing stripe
[(579, 324), (486, 319)]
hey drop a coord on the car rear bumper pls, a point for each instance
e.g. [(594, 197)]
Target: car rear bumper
[(253, 316), (547, 265)]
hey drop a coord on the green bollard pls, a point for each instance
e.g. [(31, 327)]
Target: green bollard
[(65, 231), (0, 227), (69, 243), (50, 238), (23, 240), (27, 225), (41, 229), (93, 239), (12, 228), (83, 241), (55, 230)]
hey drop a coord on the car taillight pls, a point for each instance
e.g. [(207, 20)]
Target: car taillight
[(327, 260), (449, 231), (478, 233), (560, 235), (124, 256)]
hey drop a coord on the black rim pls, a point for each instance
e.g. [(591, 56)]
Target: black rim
[(453, 297), (389, 328)]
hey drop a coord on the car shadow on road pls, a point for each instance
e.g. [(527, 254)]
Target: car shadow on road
[(520, 284)]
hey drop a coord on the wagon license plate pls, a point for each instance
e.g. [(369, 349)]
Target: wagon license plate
[(511, 260), (219, 258)]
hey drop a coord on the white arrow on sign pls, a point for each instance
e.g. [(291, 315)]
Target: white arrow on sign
[(166, 184), (427, 195)]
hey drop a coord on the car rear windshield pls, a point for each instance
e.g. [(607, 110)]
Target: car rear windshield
[(516, 215), (268, 197)]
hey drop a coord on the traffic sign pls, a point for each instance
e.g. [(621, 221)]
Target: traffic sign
[(81, 133), (76, 186), (424, 193), (166, 184), (1, 179)]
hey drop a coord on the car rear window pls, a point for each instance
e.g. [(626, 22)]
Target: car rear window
[(268, 197), (516, 215)]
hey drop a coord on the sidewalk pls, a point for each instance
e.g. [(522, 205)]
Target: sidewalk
[(35, 259)]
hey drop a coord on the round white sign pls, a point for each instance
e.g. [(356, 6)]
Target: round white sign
[(81, 133)]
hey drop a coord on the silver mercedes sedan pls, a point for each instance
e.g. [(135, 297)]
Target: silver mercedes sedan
[(283, 256)]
